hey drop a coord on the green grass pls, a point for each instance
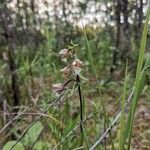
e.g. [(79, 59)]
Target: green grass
[(62, 127), (91, 60), (138, 80), (123, 102)]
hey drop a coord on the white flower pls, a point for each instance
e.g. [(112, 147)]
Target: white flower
[(64, 54), (77, 66)]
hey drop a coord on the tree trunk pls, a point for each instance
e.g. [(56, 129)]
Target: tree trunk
[(118, 25), (125, 33), (4, 14)]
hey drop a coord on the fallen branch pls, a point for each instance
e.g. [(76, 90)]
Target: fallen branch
[(39, 117), (11, 121), (33, 114), (112, 124)]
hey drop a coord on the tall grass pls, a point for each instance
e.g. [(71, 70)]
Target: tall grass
[(138, 80), (106, 121), (123, 102)]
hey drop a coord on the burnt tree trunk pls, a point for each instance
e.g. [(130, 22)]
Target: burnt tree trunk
[(140, 16), (138, 20), (125, 36), (4, 15), (118, 25)]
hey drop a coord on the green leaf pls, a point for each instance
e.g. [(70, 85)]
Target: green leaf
[(40, 145), (32, 135), (138, 84), (9, 144)]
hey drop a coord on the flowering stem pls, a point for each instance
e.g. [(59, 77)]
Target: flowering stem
[(67, 82), (81, 107)]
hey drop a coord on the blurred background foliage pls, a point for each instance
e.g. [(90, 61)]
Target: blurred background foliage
[(32, 32)]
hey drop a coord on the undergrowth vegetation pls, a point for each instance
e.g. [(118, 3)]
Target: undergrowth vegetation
[(75, 97)]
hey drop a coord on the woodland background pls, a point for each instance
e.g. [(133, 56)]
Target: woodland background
[(32, 32)]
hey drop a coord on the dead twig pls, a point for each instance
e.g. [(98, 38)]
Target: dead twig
[(11, 121), (112, 124), (34, 114), (39, 117)]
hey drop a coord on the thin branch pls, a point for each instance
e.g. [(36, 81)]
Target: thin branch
[(11, 121), (26, 130), (34, 114), (112, 124), (28, 113), (67, 82)]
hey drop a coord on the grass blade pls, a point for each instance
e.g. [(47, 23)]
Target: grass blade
[(128, 131), (99, 89)]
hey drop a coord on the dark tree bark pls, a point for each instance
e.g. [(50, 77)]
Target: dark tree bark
[(140, 15), (5, 16), (56, 23), (117, 4), (125, 35), (64, 2), (138, 20)]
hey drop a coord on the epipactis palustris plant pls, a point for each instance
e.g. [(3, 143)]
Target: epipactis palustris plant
[(72, 71)]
